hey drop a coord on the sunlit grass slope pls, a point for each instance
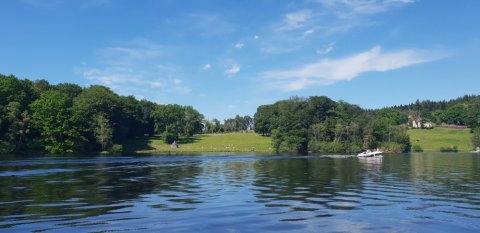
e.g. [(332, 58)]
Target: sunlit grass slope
[(431, 140), (229, 142)]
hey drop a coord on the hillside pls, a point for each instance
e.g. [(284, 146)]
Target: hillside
[(431, 140), (229, 142)]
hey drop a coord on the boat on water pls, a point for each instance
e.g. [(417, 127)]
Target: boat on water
[(369, 153), (477, 150)]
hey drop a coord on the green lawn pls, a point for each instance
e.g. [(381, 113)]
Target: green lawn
[(229, 142), (431, 140)]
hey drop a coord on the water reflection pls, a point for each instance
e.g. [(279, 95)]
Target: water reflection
[(242, 193)]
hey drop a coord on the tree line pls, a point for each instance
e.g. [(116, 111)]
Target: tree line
[(460, 111), (66, 118), (321, 124), (236, 124), (36, 116)]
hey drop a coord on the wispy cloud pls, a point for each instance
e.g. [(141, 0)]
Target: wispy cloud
[(326, 72), (129, 55), (349, 8), (115, 77), (207, 66), (209, 25), (296, 19), (234, 69), (135, 67), (326, 50), (323, 19), (239, 45)]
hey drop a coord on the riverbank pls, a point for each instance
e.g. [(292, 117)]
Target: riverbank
[(431, 140), (228, 142)]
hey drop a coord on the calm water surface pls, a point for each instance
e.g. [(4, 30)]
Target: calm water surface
[(242, 193)]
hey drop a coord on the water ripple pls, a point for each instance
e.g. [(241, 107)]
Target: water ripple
[(399, 193)]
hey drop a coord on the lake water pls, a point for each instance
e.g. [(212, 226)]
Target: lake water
[(242, 193)]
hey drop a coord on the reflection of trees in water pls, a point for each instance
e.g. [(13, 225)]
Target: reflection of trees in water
[(305, 179), (440, 174), (92, 190)]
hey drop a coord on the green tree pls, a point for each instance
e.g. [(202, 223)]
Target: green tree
[(99, 100), (265, 119), (103, 131), (71, 90), (207, 126), (476, 138), (15, 96), (171, 134), (52, 117), (216, 125), (171, 115), (148, 120), (132, 117), (192, 121)]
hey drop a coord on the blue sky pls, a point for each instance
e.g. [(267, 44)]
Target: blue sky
[(229, 57)]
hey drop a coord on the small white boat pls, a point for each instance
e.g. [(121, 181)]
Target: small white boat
[(368, 153), (477, 150)]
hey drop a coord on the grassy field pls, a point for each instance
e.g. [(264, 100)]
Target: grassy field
[(431, 140), (230, 142)]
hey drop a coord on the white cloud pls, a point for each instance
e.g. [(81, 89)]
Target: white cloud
[(349, 8), (135, 68), (326, 72), (256, 37), (239, 45), (115, 77), (277, 49), (166, 68), (232, 106), (181, 89), (128, 56), (308, 32), (296, 20), (207, 66), (326, 50), (323, 20), (177, 81), (233, 70)]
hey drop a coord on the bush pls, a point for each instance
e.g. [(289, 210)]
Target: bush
[(449, 149), (417, 148), (332, 147), (394, 147), (116, 149), (355, 148), (169, 137)]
